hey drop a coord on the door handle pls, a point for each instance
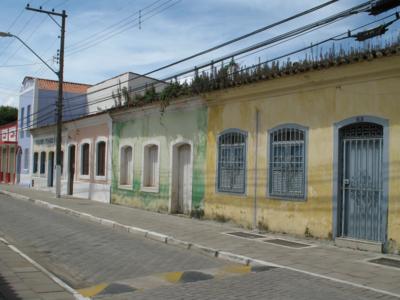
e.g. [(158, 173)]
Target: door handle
[(346, 181)]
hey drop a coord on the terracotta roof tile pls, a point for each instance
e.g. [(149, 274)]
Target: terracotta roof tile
[(69, 87)]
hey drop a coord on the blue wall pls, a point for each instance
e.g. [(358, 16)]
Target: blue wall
[(72, 108)]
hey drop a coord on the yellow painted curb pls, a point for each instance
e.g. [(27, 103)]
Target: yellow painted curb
[(236, 269), (172, 277), (93, 290)]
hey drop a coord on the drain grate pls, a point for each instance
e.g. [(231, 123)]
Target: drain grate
[(386, 262), (246, 235), (286, 243)]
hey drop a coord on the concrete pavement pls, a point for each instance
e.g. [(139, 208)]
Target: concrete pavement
[(320, 259), (21, 279)]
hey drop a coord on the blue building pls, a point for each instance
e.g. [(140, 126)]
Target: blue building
[(37, 108)]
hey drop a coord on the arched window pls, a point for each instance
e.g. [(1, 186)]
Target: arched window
[(150, 166), (232, 161), (126, 166), (85, 159), (42, 162), (101, 159), (287, 165)]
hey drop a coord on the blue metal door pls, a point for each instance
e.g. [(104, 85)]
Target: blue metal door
[(362, 184)]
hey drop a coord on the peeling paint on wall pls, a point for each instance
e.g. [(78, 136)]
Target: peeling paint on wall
[(183, 123)]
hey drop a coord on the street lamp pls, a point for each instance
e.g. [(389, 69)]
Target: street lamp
[(60, 76), (7, 34)]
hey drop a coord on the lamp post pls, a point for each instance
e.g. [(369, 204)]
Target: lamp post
[(60, 76)]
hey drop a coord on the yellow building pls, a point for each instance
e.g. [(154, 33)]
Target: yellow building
[(315, 153)]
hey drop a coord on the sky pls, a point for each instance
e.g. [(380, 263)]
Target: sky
[(104, 39)]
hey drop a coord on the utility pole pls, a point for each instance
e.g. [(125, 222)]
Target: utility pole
[(60, 75)]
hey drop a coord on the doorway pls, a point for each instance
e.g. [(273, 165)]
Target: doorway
[(71, 169), (181, 196), (362, 200), (50, 169)]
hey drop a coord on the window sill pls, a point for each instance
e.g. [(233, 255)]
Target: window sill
[(125, 187), (85, 177), (288, 199), (150, 189), (100, 178)]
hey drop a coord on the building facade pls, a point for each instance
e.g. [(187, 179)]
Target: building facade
[(108, 93), (8, 152), (158, 159), (315, 154), (86, 157), (37, 105)]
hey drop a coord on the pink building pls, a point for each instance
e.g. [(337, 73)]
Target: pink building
[(8, 152)]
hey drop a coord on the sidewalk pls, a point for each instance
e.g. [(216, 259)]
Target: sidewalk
[(20, 279), (322, 259)]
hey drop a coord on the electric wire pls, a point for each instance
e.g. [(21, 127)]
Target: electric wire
[(101, 32), (333, 38), (108, 98), (99, 41), (356, 9)]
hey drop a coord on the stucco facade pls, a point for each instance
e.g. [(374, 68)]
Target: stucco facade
[(319, 101), (78, 181), (182, 126), (8, 152), (37, 104)]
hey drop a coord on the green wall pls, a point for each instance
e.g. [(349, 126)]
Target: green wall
[(188, 124)]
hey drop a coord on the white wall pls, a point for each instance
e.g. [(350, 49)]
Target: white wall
[(100, 95)]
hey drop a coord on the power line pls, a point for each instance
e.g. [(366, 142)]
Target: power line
[(100, 100), (108, 98), (123, 29), (356, 9), (92, 36)]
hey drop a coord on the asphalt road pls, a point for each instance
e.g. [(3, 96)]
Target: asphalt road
[(86, 254)]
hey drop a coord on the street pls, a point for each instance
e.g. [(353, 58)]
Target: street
[(86, 255)]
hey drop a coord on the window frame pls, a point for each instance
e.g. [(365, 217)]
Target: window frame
[(145, 147), (125, 186), (35, 167), (217, 189), (44, 165), (96, 167), (269, 157), (81, 144), (26, 158)]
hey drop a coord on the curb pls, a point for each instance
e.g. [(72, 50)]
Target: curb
[(159, 237), (51, 276)]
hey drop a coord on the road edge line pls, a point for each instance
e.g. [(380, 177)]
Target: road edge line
[(53, 277)]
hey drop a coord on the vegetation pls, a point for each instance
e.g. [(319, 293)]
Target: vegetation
[(8, 114), (232, 74)]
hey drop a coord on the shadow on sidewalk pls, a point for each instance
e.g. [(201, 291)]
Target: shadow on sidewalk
[(6, 291)]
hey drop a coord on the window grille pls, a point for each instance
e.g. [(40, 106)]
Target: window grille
[(42, 162), (362, 130), (287, 163), (232, 162), (35, 162), (101, 159), (85, 159)]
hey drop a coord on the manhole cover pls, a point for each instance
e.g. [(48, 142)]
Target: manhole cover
[(246, 235), (386, 262), (286, 243)]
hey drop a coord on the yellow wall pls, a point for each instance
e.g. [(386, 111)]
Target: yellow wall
[(316, 100)]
